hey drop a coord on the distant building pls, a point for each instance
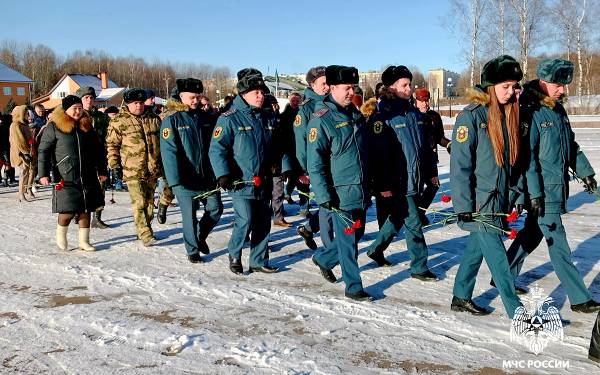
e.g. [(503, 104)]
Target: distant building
[(108, 93), (13, 85), (442, 83)]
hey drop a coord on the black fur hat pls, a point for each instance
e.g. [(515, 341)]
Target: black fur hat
[(314, 73), (502, 68), (555, 71), (251, 79), (393, 73), (134, 95), (339, 74), (189, 85)]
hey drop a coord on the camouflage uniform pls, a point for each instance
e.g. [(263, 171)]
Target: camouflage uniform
[(133, 145)]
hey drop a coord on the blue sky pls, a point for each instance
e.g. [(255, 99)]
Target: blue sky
[(290, 36)]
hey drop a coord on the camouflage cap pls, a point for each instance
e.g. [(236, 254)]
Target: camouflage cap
[(86, 90)]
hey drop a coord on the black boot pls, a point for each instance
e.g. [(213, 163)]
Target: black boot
[(235, 266), (594, 352), (424, 276), (520, 291), (195, 258), (360, 296), (97, 221), (378, 257), (463, 305), (590, 306), (327, 274), (162, 213), (307, 236)]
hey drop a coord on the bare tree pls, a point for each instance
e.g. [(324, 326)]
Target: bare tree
[(469, 15), (528, 12)]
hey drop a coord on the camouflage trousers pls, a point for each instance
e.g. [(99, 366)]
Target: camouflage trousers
[(166, 195), (142, 201)]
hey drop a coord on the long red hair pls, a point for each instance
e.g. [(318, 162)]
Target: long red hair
[(508, 112)]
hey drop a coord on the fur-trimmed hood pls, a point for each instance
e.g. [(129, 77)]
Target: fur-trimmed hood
[(533, 93), (478, 95), (369, 107), (18, 114), (66, 124)]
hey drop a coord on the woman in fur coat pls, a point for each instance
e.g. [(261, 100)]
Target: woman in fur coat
[(71, 147), (21, 153)]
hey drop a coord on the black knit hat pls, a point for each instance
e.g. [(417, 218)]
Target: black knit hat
[(86, 90), (339, 75), (134, 95), (69, 100), (192, 85), (251, 79), (314, 73), (555, 71), (393, 73), (502, 68)]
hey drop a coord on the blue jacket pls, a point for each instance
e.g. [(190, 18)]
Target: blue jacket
[(307, 108), (184, 144), (245, 144), (337, 155), (553, 149), (478, 184), (410, 160)]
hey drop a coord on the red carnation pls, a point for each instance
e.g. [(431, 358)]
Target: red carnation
[(30, 141), (512, 217), (348, 230), (357, 224), (60, 185), (446, 198), (304, 180), (256, 181), (513, 234)]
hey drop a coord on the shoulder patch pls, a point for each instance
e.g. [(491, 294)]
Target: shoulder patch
[(378, 127), (471, 106), (312, 135), (229, 113), (321, 112), (217, 132), (298, 120), (462, 134), (166, 133)]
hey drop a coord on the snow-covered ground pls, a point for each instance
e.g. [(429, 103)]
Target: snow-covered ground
[(127, 309)]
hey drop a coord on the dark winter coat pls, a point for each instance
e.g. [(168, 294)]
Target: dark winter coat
[(305, 114), (397, 117), (553, 149), (80, 159), (337, 155), (478, 184), (184, 145), (244, 145)]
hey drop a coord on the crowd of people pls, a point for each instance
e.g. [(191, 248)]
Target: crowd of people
[(512, 149)]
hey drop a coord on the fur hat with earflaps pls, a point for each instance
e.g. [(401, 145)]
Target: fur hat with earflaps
[(502, 68)]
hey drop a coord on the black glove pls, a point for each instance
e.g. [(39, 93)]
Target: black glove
[(28, 159), (519, 209), (537, 207), (117, 173), (286, 175), (327, 205), (589, 184), (465, 217), (225, 182)]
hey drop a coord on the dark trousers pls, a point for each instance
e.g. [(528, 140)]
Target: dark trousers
[(253, 219), (528, 239), (277, 198), (194, 229), (344, 251)]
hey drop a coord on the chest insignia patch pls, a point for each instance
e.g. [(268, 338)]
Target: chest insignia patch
[(312, 135), (462, 134), (218, 131), (298, 120), (166, 133), (378, 127)]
